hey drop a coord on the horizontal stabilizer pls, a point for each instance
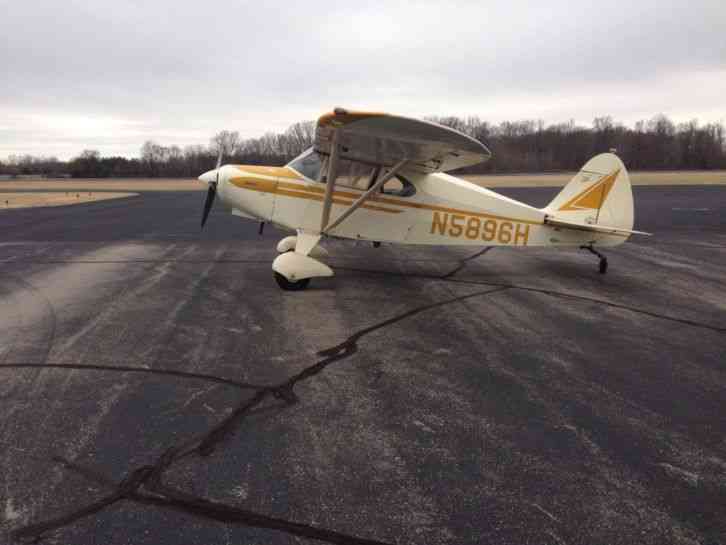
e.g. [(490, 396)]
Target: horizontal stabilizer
[(599, 228)]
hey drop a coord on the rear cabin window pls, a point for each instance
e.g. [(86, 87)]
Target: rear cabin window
[(398, 186)]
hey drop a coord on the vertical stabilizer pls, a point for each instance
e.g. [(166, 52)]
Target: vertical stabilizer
[(600, 194)]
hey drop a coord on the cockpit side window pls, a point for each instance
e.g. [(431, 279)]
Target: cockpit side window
[(351, 174), (354, 174), (308, 163)]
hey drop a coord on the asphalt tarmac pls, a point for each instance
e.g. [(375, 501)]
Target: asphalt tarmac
[(157, 387)]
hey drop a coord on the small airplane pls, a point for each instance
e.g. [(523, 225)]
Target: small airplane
[(382, 178)]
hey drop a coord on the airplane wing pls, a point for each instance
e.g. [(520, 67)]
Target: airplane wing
[(597, 228), (382, 139)]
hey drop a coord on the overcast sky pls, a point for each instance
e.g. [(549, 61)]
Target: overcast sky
[(109, 75)]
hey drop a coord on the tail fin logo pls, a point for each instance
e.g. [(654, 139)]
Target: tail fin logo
[(593, 197)]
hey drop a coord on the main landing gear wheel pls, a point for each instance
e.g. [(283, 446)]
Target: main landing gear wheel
[(291, 285)]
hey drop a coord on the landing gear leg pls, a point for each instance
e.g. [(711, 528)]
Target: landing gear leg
[(603, 267)]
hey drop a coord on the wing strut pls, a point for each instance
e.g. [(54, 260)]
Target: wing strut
[(365, 196), (330, 181)]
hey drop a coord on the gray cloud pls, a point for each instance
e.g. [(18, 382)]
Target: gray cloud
[(109, 75)]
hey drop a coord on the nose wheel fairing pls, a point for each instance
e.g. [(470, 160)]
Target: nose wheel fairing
[(288, 244), (295, 266)]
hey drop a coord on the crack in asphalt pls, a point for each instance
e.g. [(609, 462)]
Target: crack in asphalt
[(448, 277), (145, 485), (565, 295), (132, 369), (464, 262), (544, 291)]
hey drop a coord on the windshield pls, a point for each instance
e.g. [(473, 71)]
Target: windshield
[(308, 163)]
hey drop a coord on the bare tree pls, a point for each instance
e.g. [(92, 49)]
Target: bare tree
[(152, 156), (298, 137), (90, 155), (520, 145), (225, 142)]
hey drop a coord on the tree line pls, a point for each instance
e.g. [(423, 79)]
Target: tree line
[(519, 146)]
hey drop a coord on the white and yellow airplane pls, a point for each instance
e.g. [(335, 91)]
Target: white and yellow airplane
[(378, 177)]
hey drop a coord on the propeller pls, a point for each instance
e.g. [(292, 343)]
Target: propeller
[(212, 191)]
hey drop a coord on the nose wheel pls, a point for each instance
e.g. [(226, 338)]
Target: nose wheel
[(603, 265), (291, 285)]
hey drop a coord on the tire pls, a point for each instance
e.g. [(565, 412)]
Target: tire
[(289, 285)]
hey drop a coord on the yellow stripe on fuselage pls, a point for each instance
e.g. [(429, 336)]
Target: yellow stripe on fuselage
[(301, 189), (277, 172), (298, 191)]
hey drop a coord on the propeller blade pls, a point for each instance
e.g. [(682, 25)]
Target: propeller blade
[(211, 193)]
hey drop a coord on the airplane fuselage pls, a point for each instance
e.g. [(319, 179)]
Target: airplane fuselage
[(443, 210)]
